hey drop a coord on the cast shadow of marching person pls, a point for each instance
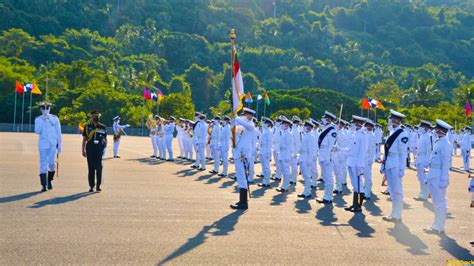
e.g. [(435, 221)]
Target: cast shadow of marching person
[(18, 197), (402, 235), (221, 227), (60, 200)]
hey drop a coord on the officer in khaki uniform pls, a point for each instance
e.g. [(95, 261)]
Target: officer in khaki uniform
[(48, 129), (438, 176)]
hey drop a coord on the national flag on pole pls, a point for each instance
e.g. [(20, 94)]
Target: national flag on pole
[(365, 103), (19, 88), (153, 96), (267, 99), (248, 98), (259, 98), (468, 108), (35, 89), (237, 86), (28, 86), (375, 104), (161, 96), (146, 94)]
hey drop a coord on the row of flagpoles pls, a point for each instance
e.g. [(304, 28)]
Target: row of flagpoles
[(27, 87), (265, 99)]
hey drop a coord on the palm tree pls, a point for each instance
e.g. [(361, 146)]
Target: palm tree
[(423, 92)]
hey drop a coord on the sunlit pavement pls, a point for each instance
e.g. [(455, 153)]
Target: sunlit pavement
[(153, 212)]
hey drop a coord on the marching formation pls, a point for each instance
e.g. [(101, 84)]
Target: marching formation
[(336, 147)]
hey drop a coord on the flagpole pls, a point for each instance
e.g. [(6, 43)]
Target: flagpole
[(232, 38), (22, 111), (143, 112), (375, 115), (29, 124), (257, 107), (14, 112)]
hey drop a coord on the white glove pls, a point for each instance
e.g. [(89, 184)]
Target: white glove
[(127, 125)]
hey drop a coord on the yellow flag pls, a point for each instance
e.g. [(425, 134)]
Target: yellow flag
[(35, 89)]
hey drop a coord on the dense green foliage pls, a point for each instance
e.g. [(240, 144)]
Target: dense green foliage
[(102, 53)]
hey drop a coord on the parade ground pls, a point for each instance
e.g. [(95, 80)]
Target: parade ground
[(153, 212)]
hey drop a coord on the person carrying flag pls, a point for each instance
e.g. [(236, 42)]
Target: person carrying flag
[(48, 129)]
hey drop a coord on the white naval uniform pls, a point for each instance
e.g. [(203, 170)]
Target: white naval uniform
[(379, 139), (154, 140), (325, 148), (168, 132), (343, 142), (314, 166), (224, 144), (214, 144), (200, 133), (438, 180), (48, 128), (356, 159), (306, 158), (424, 147), (285, 149), (243, 152), (188, 143), (161, 142), (369, 160), (465, 146), (276, 146), (180, 138), (296, 133), (254, 157), (394, 168), (117, 130), (266, 153)]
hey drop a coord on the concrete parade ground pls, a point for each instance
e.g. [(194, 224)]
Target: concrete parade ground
[(153, 212)]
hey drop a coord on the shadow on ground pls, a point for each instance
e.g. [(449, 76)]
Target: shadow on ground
[(18, 197), (221, 227), (60, 200)]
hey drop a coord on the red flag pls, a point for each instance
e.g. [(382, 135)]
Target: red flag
[(365, 103), (468, 108), (146, 94), (19, 88)]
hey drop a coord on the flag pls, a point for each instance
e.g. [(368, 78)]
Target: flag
[(153, 96), (468, 108), (28, 86), (259, 98), (237, 86), (267, 99), (35, 89), (146, 94), (19, 88), (365, 103), (161, 96), (373, 103), (248, 98)]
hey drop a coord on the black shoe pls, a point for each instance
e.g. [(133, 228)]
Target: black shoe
[(43, 189), (263, 185), (259, 175), (194, 167), (303, 196), (320, 180), (213, 172), (243, 203), (222, 175), (325, 201), (292, 183), (385, 192), (344, 184), (202, 169), (153, 156), (91, 190), (98, 189), (251, 182), (50, 185), (420, 199), (337, 191), (313, 187), (281, 190)]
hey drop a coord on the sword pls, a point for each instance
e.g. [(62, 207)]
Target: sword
[(247, 169), (57, 164)]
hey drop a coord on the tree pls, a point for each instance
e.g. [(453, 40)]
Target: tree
[(422, 93)]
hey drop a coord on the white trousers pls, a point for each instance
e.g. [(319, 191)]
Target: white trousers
[(200, 155), (181, 146), (285, 171), (314, 172), (162, 147), (440, 206), (395, 188), (169, 145), (224, 157), (340, 166), (215, 156), (154, 144), (116, 146), (294, 167), (306, 173), (326, 172), (466, 158), (368, 178), (265, 161), (356, 181), (424, 187), (47, 159), (277, 165)]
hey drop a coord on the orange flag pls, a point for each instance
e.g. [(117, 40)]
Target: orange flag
[(365, 103)]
